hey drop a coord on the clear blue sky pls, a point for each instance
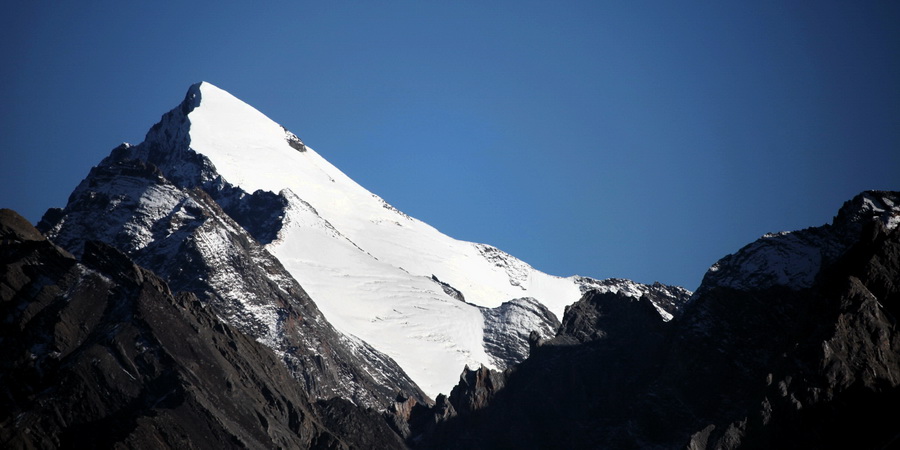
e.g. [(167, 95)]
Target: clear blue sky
[(631, 139)]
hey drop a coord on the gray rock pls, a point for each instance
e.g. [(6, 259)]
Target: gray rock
[(101, 353), (184, 235), (747, 364)]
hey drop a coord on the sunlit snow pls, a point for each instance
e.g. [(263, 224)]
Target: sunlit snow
[(367, 265)]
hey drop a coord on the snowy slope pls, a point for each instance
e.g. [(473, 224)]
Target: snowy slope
[(251, 151), (369, 267), (408, 317), (372, 270)]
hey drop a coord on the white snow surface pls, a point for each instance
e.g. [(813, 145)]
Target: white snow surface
[(366, 264)]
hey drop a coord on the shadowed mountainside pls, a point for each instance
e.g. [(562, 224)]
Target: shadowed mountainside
[(99, 352), (808, 364)]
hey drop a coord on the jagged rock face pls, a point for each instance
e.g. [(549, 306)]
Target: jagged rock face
[(508, 328), (475, 390), (841, 356), (669, 301), (184, 235), (100, 353), (167, 146), (774, 366), (553, 398), (794, 259), (598, 315)]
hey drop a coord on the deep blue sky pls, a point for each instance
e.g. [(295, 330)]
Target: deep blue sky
[(632, 139)]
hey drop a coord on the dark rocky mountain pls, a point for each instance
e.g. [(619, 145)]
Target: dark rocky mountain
[(183, 235), (99, 353), (792, 363)]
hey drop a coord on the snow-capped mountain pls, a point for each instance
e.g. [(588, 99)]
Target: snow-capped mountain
[(223, 286), (240, 190)]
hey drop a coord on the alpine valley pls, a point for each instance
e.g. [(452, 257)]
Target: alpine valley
[(221, 285)]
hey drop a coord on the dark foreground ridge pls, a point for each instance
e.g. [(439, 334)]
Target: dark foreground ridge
[(100, 353), (789, 365), (791, 342)]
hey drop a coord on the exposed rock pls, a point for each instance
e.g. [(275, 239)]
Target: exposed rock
[(802, 366), (356, 427), (102, 354), (260, 213), (516, 270), (14, 228), (508, 327), (293, 140), (449, 290), (600, 314), (552, 399), (400, 414), (475, 390), (773, 366), (794, 259), (185, 237), (668, 300)]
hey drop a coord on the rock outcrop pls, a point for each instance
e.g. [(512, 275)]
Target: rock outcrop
[(508, 327)]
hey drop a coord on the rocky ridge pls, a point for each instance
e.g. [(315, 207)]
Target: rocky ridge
[(775, 366), (185, 237), (98, 352), (793, 259)]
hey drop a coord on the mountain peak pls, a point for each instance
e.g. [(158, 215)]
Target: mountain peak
[(248, 149), (794, 259), (203, 89), (196, 89), (331, 236), (882, 206)]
